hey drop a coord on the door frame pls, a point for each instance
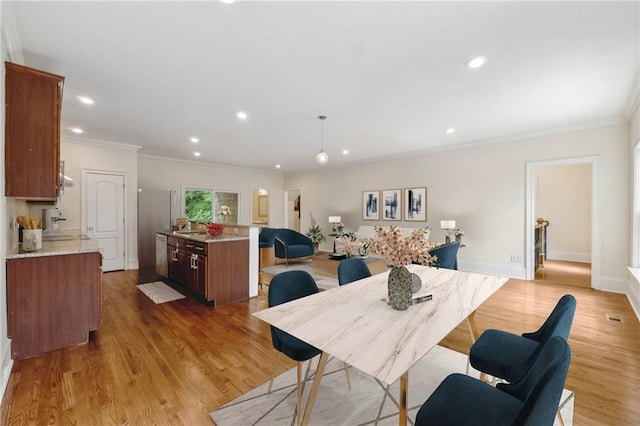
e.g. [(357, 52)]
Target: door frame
[(125, 206), (596, 228)]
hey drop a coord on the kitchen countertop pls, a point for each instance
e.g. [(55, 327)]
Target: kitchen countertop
[(202, 236), (55, 248)]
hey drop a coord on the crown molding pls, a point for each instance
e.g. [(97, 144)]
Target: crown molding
[(633, 101), (11, 44), (207, 164), (96, 142)]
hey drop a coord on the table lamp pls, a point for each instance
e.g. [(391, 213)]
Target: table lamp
[(338, 226), (448, 225)]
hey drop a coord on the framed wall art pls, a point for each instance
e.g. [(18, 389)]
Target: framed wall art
[(392, 204), (415, 204), (370, 205)]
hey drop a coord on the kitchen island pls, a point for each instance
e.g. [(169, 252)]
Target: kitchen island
[(54, 295), (214, 269)]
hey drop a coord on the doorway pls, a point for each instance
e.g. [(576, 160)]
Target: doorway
[(292, 209), (566, 265), (103, 213)]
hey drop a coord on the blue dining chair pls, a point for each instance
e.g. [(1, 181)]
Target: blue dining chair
[(285, 287), (447, 255), (533, 400), (508, 356), (353, 269)]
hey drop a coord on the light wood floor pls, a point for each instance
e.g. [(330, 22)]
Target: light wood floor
[(564, 272), (173, 363)]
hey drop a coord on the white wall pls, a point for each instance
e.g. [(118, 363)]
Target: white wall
[(79, 155), (483, 189), (161, 173), (563, 197), (634, 139)]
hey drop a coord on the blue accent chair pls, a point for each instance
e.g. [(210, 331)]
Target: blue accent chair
[(290, 244), (533, 400), (447, 255), (266, 237), (285, 287), (508, 356), (353, 269)]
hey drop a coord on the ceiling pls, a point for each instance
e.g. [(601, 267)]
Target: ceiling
[(390, 76)]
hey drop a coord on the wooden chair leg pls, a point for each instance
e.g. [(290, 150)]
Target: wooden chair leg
[(275, 370), (346, 372), (559, 414), (299, 394)]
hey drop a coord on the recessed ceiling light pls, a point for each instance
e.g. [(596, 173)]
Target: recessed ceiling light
[(476, 62), (194, 140), (277, 166), (450, 130), (196, 154), (345, 152), (76, 129), (241, 115), (227, 1), (86, 100)]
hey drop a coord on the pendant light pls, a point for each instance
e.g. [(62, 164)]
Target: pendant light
[(322, 156)]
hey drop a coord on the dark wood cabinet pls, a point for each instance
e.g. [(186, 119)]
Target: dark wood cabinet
[(52, 301), (33, 102), (177, 260), (216, 271), (197, 273)]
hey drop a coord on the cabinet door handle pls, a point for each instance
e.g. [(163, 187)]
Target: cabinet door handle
[(195, 261), (174, 255), (200, 248)]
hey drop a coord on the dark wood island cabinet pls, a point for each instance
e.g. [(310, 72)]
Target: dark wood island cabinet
[(52, 301), (215, 270)]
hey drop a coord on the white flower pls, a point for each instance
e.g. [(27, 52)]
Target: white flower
[(224, 210)]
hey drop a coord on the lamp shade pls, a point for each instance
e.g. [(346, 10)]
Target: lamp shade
[(322, 157), (447, 224), (335, 219)]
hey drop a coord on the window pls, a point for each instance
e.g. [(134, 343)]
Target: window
[(210, 205), (198, 205)]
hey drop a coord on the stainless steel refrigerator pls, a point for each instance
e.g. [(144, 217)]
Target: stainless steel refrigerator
[(156, 211)]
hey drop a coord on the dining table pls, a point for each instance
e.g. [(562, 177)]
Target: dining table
[(355, 323)]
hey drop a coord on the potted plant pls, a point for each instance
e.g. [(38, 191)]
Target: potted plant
[(315, 232)]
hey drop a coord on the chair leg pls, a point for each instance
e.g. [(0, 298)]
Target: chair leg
[(346, 372), (559, 414), (299, 394), (275, 370)]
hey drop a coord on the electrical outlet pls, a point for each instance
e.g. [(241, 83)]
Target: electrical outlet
[(516, 258)]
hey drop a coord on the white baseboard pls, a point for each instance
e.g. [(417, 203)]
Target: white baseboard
[(5, 371), (133, 264), (516, 271), (569, 256)]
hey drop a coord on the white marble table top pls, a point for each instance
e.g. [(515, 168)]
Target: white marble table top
[(355, 324)]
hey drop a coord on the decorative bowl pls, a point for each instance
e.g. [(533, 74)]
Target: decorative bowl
[(215, 232)]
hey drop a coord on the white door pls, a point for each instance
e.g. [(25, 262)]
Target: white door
[(105, 217)]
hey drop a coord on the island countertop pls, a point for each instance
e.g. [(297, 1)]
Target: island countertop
[(56, 248), (202, 236)]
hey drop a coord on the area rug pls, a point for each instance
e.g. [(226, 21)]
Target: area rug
[(322, 281), (159, 292), (365, 404)]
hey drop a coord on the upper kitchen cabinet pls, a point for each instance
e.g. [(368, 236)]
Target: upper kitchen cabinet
[(33, 101)]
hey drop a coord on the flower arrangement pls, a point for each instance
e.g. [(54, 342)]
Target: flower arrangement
[(350, 245), (215, 229), (224, 210), (458, 232), (315, 232), (399, 251)]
